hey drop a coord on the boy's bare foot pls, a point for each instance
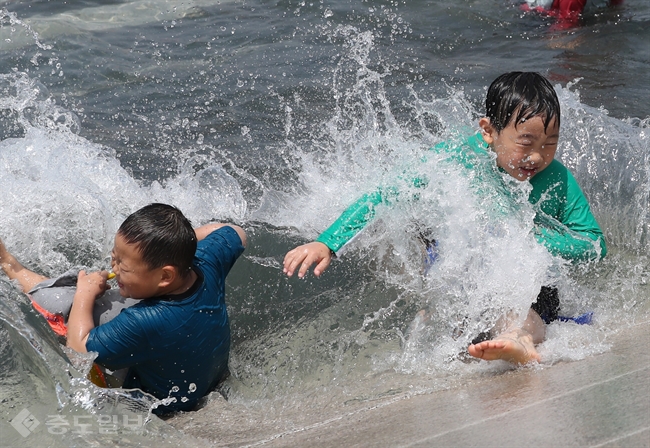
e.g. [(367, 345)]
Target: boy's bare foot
[(5, 257), (514, 346), (16, 271), (3, 250)]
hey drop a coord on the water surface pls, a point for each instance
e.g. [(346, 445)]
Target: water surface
[(275, 116)]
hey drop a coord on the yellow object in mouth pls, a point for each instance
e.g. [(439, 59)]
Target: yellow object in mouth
[(111, 275)]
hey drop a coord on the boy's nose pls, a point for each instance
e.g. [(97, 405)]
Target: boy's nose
[(534, 158)]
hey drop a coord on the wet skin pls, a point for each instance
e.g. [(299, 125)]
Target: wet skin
[(523, 150)]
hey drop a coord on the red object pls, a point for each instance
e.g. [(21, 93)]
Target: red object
[(56, 321), (567, 12)]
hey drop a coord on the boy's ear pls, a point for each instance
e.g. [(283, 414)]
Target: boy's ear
[(168, 275), (487, 130)]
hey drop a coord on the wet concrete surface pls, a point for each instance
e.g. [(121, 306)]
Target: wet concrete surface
[(601, 401)]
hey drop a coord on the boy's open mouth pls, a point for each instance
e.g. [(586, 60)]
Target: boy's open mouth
[(528, 172)]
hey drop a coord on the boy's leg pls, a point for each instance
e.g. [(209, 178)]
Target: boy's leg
[(514, 344), (16, 271)]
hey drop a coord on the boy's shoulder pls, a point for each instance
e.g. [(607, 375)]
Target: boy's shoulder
[(467, 150), (462, 142), (556, 184), (224, 234), (150, 317), (223, 242)]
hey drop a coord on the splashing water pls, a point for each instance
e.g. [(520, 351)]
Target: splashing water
[(346, 339), (486, 266)]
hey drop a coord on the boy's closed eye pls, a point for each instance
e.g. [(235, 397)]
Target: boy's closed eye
[(116, 263), (525, 140)]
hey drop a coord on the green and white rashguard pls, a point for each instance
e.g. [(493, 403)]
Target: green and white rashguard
[(564, 223)]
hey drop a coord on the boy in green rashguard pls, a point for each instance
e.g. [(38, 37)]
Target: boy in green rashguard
[(521, 127)]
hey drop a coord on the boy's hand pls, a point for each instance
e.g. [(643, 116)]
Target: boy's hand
[(93, 284), (307, 254), (80, 321)]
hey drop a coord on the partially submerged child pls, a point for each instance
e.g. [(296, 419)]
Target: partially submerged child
[(522, 128), (173, 333), (567, 12)]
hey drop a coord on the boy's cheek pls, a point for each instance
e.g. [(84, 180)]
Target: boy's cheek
[(505, 162), (123, 292)]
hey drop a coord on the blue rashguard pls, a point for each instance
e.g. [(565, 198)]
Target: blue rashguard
[(176, 346)]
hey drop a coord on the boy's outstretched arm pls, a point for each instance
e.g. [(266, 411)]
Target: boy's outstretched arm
[(80, 321), (305, 256), (207, 229), (347, 226)]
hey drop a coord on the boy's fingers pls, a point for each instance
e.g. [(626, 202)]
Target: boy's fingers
[(291, 261), (306, 264), (299, 256), (287, 260), (320, 267), (286, 265), (305, 256)]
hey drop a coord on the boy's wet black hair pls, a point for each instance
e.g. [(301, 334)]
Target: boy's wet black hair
[(165, 237), (521, 96)]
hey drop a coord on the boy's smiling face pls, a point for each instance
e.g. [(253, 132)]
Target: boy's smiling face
[(523, 150), (134, 277)]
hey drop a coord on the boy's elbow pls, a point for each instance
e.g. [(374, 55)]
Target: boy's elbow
[(241, 233), (205, 230), (599, 245), (603, 247), (77, 344), (594, 253)]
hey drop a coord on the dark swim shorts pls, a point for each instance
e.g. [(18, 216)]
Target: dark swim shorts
[(547, 306)]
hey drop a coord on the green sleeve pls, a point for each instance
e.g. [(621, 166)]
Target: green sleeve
[(362, 211), (570, 245), (564, 222), (579, 238), (355, 218)]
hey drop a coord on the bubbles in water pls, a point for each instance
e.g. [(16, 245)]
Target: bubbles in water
[(572, 342), (64, 196), (610, 159), (18, 25), (487, 264)]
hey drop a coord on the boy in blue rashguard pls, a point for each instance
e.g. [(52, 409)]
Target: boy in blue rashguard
[(518, 136), (175, 339)]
